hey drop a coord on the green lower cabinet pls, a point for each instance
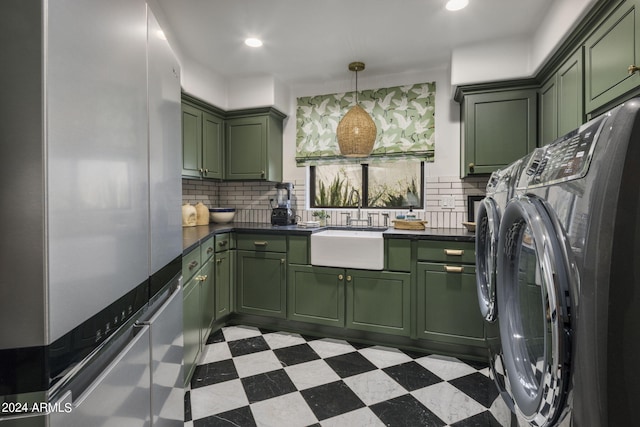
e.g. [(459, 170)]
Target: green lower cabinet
[(447, 307), (378, 301), (261, 283), (316, 295), (192, 326), (223, 284), (207, 297)]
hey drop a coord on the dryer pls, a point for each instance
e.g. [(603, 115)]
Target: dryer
[(500, 189), (568, 277)]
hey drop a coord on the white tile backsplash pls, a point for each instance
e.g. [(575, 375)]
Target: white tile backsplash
[(251, 199)]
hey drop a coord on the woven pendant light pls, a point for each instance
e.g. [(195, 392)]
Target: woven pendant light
[(356, 131)]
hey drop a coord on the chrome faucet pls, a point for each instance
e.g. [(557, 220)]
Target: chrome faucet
[(359, 219)]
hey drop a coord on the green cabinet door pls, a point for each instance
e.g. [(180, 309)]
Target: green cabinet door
[(499, 128), (223, 284), (261, 283), (212, 146), (447, 307), (192, 326), (207, 297), (316, 294), (246, 148), (609, 51), (562, 99), (191, 141), (571, 94), (378, 301), (254, 144), (548, 118)]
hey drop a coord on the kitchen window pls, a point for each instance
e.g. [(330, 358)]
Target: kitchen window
[(389, 185)]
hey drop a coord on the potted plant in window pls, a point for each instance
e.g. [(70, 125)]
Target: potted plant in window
[(322, 216)]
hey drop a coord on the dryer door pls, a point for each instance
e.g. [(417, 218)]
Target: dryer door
[(487, 221), (534, 306)]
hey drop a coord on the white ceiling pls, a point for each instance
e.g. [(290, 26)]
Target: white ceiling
[(314, 40)]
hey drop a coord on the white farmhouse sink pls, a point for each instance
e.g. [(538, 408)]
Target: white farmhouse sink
[(348, 249)]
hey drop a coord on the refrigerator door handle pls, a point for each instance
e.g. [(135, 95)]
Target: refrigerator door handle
[(139, 334)]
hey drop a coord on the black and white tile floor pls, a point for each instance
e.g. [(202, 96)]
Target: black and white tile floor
[(255, 377)]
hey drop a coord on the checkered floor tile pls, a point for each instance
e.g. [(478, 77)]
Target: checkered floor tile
[(256, 377)]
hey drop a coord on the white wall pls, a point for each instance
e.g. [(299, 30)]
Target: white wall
[(519, 57)]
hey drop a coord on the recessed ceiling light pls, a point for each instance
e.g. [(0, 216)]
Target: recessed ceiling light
[(457, 4), (253, 42)]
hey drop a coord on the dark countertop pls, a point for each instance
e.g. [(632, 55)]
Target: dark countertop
[(193, 236)]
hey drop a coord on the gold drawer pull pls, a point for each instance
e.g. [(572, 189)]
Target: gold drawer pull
[(223, 243), (633, 69), (452, 269), (261, 243), (193, 264), (340, 277), (454, 252), (348, 278), (219, 260), (201, 278), (209, 249)]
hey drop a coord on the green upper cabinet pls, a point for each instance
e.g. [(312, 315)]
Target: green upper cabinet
[(548, 111), (499, 128), (254, 145), (191, 141), (562, 100), (212, 146), (570, 94), (609, 52), (202, 143)]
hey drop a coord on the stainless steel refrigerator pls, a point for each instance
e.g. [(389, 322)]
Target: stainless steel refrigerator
[(90, 189)]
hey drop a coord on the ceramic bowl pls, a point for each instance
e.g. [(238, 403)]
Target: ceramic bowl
[(221, 215)]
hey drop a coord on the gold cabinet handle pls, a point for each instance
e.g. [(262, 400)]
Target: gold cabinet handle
[(633, 69), (262, 173), (340, 277), (472, 166), (454, 252), (282, 261), (193, 264), (261, 243), (452, 269), (348, 278), (219, 260), (206, 171), (223, 243), (201, 170), (201, 278), (209, 249)]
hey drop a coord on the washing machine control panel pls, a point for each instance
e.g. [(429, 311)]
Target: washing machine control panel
[(565, 159)]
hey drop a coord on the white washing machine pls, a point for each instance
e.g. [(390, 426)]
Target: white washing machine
[(567, 278)]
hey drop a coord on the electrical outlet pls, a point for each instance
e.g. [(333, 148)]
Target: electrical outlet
[(448, 202)]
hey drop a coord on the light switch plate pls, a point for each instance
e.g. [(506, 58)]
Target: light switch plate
[(448, 202)]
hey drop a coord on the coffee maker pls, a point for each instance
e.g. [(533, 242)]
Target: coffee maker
[(282, 214)]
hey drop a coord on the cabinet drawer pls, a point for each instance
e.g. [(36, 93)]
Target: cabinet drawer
[(206, 250), (191, 263), (443, 251), (261, 242), (222, 242)]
